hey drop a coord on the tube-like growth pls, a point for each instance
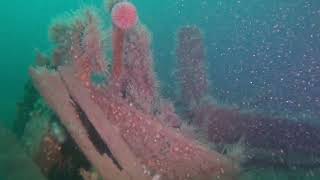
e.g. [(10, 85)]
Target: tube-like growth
[(124, 18)]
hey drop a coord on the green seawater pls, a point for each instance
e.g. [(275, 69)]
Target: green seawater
[(24, 29), (262, 55)]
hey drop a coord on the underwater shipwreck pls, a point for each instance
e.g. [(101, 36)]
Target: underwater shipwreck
[(100, 115)]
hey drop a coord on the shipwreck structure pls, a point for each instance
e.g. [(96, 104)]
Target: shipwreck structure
[(115, 114), (114, 111)]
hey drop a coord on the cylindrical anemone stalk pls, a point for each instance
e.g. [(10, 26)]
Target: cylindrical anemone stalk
[(124, 17), (192, 75), (138, 80), (117, 43)]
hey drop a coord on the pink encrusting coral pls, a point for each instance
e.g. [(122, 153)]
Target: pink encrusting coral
[(128, 119)]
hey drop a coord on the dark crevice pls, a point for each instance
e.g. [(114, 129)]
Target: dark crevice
[(94, 136)]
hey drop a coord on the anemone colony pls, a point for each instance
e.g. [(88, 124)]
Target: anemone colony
[(117, 118)]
